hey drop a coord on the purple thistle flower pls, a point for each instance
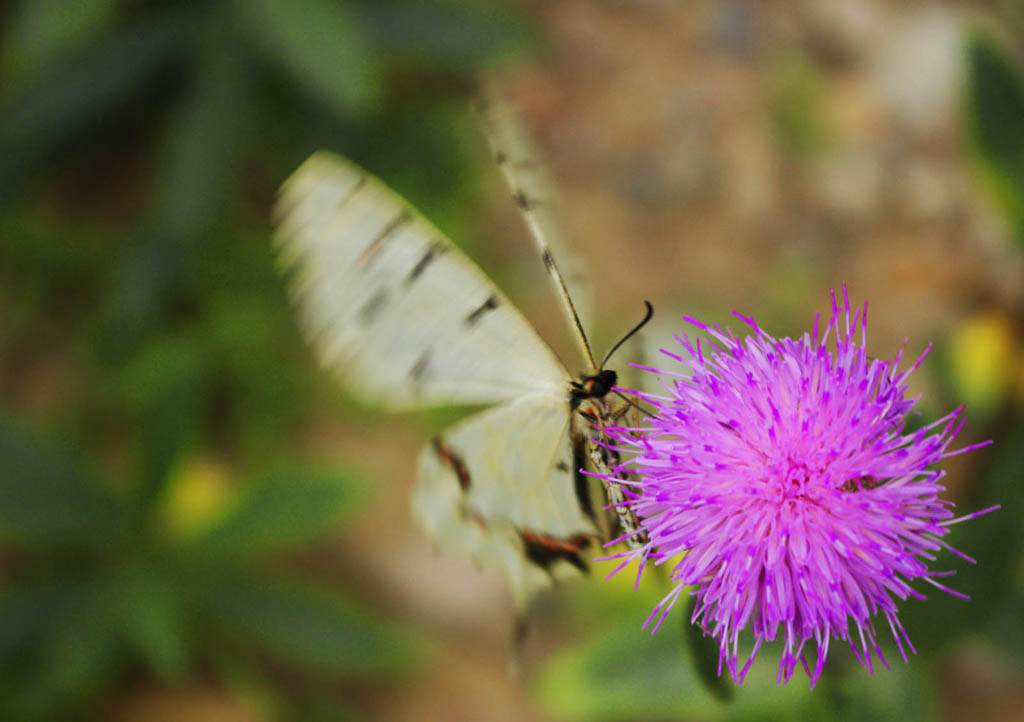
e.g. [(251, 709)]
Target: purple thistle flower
[(782, 469)]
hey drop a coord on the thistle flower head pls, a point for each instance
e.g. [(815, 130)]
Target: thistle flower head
[(779, 481)]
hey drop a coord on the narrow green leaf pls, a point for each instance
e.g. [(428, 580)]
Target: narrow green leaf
[(995, 106), (76, 660), (28, 608), (81, 88), (302, 624), (1005, 629), (41, 31), (48, 500), (994, 540), (278, 512), (151, 610), (145, 281), (322, 45), (439, 33), (167, 386), (703, 652), (206, 135)]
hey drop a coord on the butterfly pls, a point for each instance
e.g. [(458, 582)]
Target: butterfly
[(404, 320)]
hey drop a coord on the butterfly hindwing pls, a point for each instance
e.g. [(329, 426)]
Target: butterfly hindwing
[(394, 309), (503, 484)]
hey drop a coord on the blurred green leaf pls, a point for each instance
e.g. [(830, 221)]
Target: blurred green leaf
[(40, 31), (50, 271), (703, 654), (445, 34), (152, 620), (904, 692), (83, 88), (280, 511), (167, 385), (995, 106), (302, 624), (27, 608), (255, 347), (322, 46), (144, 282), (1006, 631), (319, 708), (44, 250), (77, 659), (993, 539), (795, 106), (995, 583), (48, 500), (624, 673), (206, 135)]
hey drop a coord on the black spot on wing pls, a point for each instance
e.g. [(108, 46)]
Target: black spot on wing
[(317, 211), (549, 262), (403, 217), (522, 200), (351, 192), (562, 466), (489, 305), (419, 369), (369, 310), (316, 206), (433, 251)]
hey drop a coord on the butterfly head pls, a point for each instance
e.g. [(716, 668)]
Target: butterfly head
[(593, 387), (598, 385)]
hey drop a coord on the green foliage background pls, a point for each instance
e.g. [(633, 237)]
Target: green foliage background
[(143, 329), (140, 145)]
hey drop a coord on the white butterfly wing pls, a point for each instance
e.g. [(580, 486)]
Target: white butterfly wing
[(502, 486), (395, 310), (526, 176)]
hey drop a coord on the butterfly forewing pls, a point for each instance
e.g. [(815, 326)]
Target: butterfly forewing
[(394, 309), (533, 193), (404, 320)]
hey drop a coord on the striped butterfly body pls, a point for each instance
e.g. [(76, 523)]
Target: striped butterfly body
[(404, 320)]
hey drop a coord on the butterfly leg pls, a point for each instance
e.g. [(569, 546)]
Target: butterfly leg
[(606, 463)]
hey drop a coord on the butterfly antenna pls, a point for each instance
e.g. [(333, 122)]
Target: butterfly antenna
[(647, 317)]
